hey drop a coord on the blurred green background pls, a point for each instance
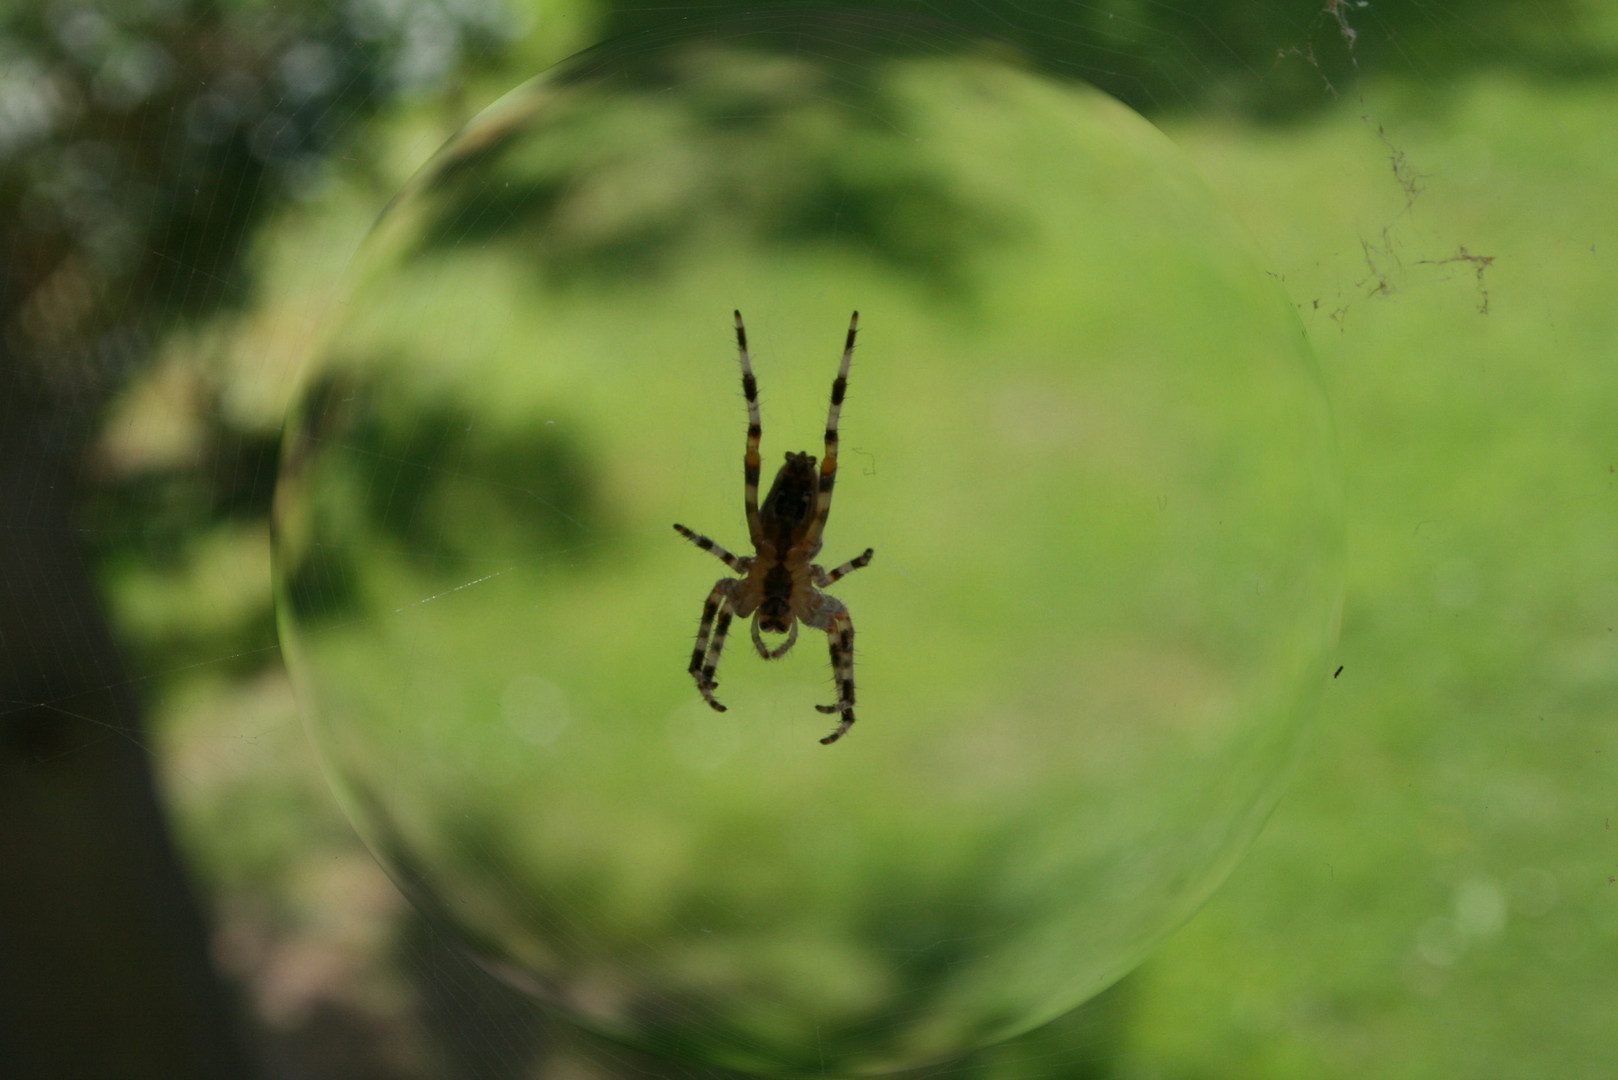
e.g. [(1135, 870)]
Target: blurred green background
[(181, 185)]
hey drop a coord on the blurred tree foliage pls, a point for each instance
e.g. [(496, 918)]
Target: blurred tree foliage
[(1271, 60), (140, 145)]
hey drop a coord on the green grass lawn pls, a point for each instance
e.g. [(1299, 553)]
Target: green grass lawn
[(1434, 897)]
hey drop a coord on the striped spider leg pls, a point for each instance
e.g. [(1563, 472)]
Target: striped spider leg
[(779, 586)]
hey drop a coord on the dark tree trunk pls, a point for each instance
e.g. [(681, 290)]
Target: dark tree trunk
[(104, 965)]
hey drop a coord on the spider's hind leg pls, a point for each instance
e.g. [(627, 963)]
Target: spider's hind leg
[(705, 657), (839, 626), (828, 459), (751, 461)]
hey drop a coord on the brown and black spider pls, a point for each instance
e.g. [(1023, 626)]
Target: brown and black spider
[(780, 586)]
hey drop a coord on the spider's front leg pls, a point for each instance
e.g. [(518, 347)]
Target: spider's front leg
[(833, 618), (705, 657)]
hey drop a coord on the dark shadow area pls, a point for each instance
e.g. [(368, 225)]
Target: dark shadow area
[(487, 1030), (429, 484), (1269, 60), (739, 109)]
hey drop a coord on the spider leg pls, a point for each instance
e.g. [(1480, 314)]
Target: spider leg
[(828, 461), (738, 563), (705, 657), (721, 628), (823, 579), (755, 431), (833, 618), (774, 654)]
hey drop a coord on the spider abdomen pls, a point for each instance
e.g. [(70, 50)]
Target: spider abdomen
[(788, 509)]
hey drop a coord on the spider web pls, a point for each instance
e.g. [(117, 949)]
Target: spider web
[(155, 314)]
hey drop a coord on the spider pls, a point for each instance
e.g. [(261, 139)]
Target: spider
[(780, 586)]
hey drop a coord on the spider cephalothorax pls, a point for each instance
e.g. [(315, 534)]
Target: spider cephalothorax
[(780, 585)]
